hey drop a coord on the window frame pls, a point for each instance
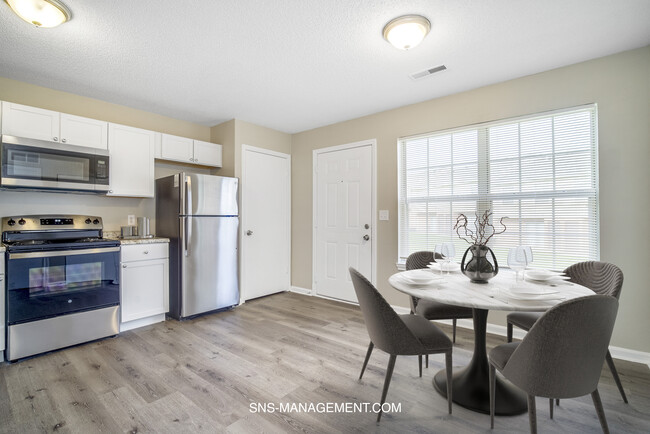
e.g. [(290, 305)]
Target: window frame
[(482, 196)]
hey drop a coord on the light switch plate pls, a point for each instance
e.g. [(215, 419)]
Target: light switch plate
[(130, 220), (383, 214)]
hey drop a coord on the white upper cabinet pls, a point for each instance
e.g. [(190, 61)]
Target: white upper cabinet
[(207, 154), (36, 123), (177, 148), (76, 130), (132, 161), (30, 122), (186, 150)]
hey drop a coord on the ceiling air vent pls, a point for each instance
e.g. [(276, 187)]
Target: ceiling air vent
[(427, 72)]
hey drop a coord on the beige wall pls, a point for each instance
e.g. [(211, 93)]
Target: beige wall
[(114, 210), (619, 84)]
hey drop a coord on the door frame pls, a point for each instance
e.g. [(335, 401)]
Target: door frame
[(373, 205), (242, 214)]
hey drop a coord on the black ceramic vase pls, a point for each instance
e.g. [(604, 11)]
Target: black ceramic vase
[(481, 266)]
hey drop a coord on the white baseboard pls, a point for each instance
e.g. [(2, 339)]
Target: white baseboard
[(130, 325), (499, 330), (300, 290)]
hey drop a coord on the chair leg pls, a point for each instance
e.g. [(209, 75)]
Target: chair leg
[(612, 367), (550, 406), (453, 332), (509, 332), (389, 375), (427, 359), (365, 362), (449, 378), (532, 416), (420, 363), (595, 396), (492, 381)]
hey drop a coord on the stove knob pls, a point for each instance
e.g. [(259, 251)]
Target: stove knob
[(88, 221), (96, 221), (11, 222), (21, 222)]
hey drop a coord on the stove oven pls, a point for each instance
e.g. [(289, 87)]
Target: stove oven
[(62, 283)]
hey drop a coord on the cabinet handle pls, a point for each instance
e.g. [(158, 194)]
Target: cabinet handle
[(146, 252), (123, 265), (62, 140), (110, 191), (56, 139), (191, 159)]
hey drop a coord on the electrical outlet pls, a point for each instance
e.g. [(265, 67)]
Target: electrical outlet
[(130, 219)]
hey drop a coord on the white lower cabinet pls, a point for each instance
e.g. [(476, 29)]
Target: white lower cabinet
[(144, 284)]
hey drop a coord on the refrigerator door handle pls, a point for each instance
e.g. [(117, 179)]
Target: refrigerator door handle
[(188, 195), (188, 212)]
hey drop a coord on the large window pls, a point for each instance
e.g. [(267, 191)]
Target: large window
[(540, 171)]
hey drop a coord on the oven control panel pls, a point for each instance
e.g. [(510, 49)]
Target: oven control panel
[(52, 222)]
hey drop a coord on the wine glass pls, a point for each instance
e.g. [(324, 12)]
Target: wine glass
[(518, 259), (447, 251)]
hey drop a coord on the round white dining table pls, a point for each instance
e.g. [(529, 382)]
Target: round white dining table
[(471, 384)]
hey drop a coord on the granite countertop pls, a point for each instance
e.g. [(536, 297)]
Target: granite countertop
[(154, 240), (116, 236)]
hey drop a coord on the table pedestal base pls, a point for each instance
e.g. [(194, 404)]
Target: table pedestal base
[(471, 387)]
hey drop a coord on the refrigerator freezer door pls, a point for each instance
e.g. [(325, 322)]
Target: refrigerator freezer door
[(209, 195), (209, 264)]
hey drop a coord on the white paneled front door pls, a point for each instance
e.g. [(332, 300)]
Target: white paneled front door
[(266, 222), (343, 217)]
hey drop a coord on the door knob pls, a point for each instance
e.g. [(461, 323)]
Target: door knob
[(367, 226), (249, 232), (366, 237)]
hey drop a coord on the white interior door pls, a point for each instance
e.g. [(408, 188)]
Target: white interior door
[(343, 211), (266, 222)]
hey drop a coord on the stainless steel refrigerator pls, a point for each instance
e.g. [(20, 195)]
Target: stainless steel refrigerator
[(199, 214)]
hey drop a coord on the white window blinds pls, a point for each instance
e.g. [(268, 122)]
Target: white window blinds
[(540, 171)]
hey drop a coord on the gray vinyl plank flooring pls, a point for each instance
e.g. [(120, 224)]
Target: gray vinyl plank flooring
[(203, 375)]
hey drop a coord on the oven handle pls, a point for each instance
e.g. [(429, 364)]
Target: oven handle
[(62, 253)]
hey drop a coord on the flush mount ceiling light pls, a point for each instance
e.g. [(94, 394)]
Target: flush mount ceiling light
[(41, 13), (407, 31)]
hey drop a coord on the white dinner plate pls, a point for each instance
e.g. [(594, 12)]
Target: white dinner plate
[(543, 275), (418, 277), (453, 267)]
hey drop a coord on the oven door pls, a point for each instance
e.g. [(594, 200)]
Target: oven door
[(43, 165), (46, 284)]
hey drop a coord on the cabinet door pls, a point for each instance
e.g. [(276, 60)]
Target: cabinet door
[(144, 289), (132, 164), (177, 148), (207, 154), (76, 130), (30, 122)]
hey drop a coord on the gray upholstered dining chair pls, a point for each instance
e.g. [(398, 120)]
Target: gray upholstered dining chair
[(433, 310), (561, 356), (601, 277), (397, 334)]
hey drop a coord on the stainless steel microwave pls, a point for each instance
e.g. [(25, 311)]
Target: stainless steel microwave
[(49, 166)]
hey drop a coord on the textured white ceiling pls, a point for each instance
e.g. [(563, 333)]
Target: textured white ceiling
[(294, 65)]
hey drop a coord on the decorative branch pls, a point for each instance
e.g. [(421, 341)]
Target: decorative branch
[(484, 229)]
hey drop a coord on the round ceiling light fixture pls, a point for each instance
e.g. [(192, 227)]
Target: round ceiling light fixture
[(41, 13), (407, 31)]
